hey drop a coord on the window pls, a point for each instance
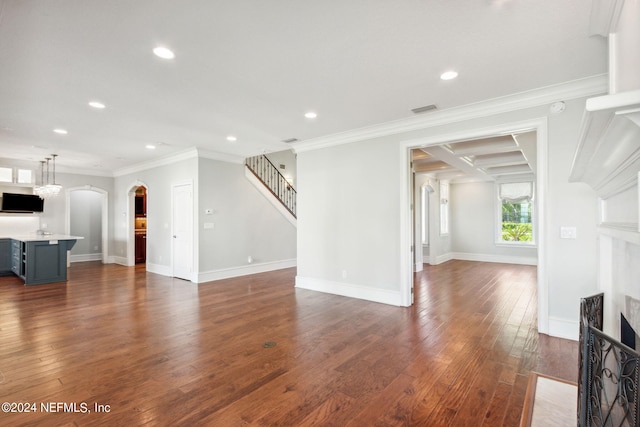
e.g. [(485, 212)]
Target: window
[(516, 212), (444, 208), (25, 176), (16, 175), (6, 174), (426, 189)]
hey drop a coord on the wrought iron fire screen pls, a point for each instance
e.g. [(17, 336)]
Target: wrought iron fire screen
[(609, 377)]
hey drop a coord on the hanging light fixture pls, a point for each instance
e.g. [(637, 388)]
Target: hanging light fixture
[(49, 189)]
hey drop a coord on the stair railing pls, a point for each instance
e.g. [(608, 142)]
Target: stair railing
[(271, 177)]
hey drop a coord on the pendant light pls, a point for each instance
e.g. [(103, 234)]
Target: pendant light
[(49, 189)]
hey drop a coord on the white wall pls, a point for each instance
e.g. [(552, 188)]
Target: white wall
[(86, 221), (349, 218), (473, 226), (288, 159), (159, 182), (623, 50), (54, 215), (245, 225)]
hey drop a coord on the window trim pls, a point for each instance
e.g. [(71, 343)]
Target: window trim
[(498, 219)]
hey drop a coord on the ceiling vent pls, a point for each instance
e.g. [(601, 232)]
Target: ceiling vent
[(424, 109), (290, 140)]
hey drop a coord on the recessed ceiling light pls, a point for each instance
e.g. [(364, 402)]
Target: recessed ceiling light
[(449, 75), (232, 138), (164, 53), (97, 104), (150, 147), (311, 115), (61, 131)]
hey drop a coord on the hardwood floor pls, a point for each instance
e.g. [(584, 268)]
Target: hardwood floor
[(162, 351)]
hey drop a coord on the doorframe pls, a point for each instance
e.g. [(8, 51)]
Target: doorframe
[(105, 217), (539, 125), (131, 220), (194, 242)]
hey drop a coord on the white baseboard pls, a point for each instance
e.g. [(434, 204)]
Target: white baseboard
[(350, 290), (564, 328), (245, 270), (85, 257), (505, 259), (163, 270), (120, 260), (437, 260)]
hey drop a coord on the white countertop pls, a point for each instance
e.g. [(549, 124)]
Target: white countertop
[(42, 237)]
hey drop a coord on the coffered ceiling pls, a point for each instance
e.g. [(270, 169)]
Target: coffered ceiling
[(245, 72), (499, 158)]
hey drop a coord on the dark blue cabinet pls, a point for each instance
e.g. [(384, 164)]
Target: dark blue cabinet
[(5, 257), (35, 261)]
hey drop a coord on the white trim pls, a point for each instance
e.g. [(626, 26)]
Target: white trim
[(383, 296), (589, 86), (85, 257), (131, 220), (541, 224), (178, 157), (245, 270), (406, 262), (438, 259), (223, 157), (269, 196), (104, 238), (505, 259), (564, 328), (120, 260), (163, 270), (604, 17), (192, 274)]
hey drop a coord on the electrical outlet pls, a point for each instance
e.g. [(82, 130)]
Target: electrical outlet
[(568, 232)]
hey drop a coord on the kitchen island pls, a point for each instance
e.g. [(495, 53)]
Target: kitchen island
[(36, 259)]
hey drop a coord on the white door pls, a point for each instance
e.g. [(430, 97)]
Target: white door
[(183, 231)]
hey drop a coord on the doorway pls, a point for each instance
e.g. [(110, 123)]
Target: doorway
[(87, 216), (437, 144), (182, 236), (140, 225)]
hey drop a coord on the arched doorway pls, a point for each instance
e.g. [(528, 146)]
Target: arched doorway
[(87, 216)]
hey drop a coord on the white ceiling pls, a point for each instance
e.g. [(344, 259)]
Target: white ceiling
[(503, 158), (253, 68)]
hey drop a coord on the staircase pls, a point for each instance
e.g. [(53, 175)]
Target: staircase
[(261, 168)]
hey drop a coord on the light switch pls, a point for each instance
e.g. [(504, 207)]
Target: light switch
[(568, 232)]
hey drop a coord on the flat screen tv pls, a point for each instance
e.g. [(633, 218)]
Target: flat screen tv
[(21, 203)]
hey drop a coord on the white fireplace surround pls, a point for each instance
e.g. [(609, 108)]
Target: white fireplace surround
[(608, 159)]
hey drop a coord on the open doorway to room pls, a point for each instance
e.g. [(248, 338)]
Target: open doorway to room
[(480, 195), (140, 225), (87, 216)]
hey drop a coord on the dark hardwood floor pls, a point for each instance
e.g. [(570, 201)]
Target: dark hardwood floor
[(162, 351)]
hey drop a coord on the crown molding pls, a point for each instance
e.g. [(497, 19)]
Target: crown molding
[(178, 157), (223, 157), (589, 86), (162, 161), (604, 17)]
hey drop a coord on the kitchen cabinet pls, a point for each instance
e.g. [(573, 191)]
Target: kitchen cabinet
[(141, 205), (37, 260), (5, 257), (141, 247)]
